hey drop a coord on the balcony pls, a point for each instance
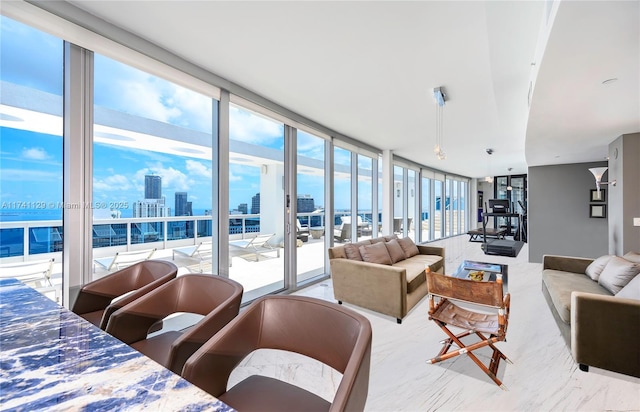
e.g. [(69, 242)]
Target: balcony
[(28, 241)]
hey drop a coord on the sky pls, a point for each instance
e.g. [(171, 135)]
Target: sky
[(31, 163)]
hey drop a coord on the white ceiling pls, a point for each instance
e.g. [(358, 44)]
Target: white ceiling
[(366, 69)]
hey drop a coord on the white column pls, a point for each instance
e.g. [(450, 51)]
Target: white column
[(272, 200)]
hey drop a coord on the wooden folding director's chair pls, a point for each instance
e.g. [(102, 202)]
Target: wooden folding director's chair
[(489, 327)]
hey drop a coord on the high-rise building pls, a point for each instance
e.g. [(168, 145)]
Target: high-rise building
[(189, 209), (255, 204), (153, 204), (243, 208), (181, 204), (306, 204), (150, 208), (152, 187)]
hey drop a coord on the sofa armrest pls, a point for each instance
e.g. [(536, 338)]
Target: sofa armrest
[(565, 263), (604, 331), (373, 286)]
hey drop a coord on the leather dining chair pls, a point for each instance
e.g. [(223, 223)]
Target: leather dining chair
[(324, 331), (95, 301), (216, 298)]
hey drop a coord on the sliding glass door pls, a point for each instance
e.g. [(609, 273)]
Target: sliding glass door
[(256, 201), (310, 226)]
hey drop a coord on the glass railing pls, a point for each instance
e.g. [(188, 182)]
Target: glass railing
[(39, 237)]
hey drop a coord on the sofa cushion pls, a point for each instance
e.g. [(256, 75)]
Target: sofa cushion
[(617, 273), (422, 261), (632, 290), (560, 284), (595, 268), (377, 240), (390, 237), (395, 251), (415, 272), (352, 251), (410, 249), (632, 257), (375, 253)]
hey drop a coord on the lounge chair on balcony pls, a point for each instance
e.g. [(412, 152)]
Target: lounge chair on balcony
[(302, 232), (254, 246), (363, 227), (201, 251), (36, 273), (343, 233), (124, 259)]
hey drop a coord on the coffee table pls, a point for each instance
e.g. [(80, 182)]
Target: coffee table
[(490, 270)]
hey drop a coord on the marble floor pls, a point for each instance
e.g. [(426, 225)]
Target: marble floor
[(543, 376)]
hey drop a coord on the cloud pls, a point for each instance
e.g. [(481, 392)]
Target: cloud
[(35, 153), (143, 98), (196, 109), (238, 173), (196, 168), (139, 93), (233, 177), (112, 183), (310, 146), (172, 179), (251, 128)]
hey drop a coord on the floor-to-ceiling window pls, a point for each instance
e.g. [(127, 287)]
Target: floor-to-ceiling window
[(365, 196), (152, 165), (412, 190), (438, 216), (31, 147), (378, 229), (342, 194), (455, 207), (256, 201), (462, 207), (153, 170), (310, 205), (398, 199), (426, 208)]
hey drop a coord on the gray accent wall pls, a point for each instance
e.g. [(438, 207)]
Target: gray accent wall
[(624, 202), (558, 212)]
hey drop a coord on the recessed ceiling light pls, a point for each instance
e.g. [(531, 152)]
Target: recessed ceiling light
[(611, 80)]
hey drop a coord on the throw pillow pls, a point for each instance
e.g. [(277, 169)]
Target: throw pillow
[(410, 248), (395, 251), (617, 273), (352, 251), (632, 290), (375, 253), (595, 268), (390, 237), (632, 257)]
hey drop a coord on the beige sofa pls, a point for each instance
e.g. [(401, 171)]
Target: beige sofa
[(596, 304), (391, 285)]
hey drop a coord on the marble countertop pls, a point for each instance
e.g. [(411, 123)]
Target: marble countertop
[(51, 359)]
